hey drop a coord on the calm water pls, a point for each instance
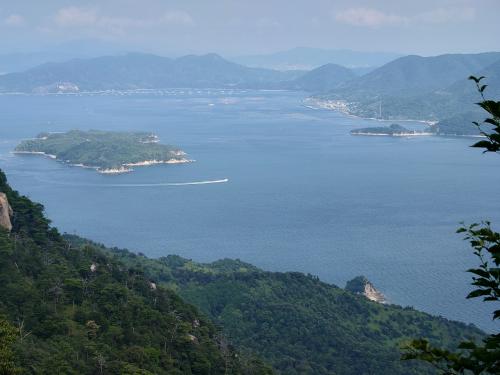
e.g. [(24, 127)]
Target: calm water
[(302, 194)]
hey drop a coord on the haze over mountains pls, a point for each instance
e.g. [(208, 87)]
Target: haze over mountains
[(414, 87), (140, 71), (306, 58), (18, 61), (409, 87)]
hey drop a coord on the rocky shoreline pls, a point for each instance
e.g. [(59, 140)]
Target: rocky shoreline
[(125, 168)]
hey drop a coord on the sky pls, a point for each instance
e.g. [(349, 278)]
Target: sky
[(242, 27)]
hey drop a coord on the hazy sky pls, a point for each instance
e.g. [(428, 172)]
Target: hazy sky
[(234, 27)]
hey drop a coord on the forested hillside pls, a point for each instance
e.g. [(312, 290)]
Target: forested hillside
[(296, 322), (77, 311), (420, 88), (71, 306)]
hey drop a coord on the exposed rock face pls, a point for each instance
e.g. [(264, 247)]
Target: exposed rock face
[(5, 213), (361, 285), (373, 294)]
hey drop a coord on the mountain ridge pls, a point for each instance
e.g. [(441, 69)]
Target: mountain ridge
[(78, 311), (417, 88), (314, 327), (141, 71)]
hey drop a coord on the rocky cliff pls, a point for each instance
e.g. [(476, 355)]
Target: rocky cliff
[(361, 285), (5, 213)]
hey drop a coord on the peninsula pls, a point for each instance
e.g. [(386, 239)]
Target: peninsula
[(106, 152)]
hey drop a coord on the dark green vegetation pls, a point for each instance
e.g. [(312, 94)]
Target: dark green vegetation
[(393, 130), (77, 307), (356, 285), (102, 150), (79, 311), (474, 358), (296, 322)]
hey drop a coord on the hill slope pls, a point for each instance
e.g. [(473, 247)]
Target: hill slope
[(412, 75), (322, 79), (139, 71), (453, 103), (296, 322), (80, 308), (81, 312), (414, 87)]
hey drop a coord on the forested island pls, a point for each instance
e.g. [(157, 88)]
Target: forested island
[(106, 152), (460, 125), (394, 130)]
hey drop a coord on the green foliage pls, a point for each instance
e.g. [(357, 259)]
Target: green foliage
[(78, 311), (7, 339), (296, 322), (492, 107), (486, 244), (101, 149), (356, 285), (473, 358)]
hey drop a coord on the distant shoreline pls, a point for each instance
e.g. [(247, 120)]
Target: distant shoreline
[(341, 107), (393, 135)]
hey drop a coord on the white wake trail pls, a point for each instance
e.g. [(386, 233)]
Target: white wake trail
[(169, 183)]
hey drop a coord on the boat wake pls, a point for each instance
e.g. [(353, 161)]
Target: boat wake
[(208, 182), (159, 184)]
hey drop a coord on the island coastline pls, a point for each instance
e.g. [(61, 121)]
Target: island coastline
[(100, 150)]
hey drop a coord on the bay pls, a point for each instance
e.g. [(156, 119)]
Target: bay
[(301, 194)]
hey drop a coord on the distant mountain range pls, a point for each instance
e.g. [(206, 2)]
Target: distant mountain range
[(410, 87), (82, 49), (306, 58), (411, 75), (144, 71)]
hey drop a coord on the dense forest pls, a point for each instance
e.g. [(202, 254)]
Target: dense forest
[(102, 150), (75, 307), (294, 321), (78, 311)]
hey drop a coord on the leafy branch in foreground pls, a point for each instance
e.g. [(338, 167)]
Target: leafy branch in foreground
[(472, 358), (492, 142)]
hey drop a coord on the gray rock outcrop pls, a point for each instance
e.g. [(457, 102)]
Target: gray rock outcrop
[(5, 213)]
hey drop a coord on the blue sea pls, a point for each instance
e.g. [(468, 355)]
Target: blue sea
[(302, 194)]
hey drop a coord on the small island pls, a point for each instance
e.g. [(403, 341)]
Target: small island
[(393, 130), (106, 152)]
